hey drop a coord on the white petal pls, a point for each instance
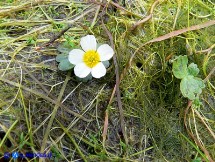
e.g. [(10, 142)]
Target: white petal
[(98, 71), (82, 70), (105, 52), (88, 43), (76, 56)]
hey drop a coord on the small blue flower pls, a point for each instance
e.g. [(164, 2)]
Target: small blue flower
[(15, 155), (6, 155)]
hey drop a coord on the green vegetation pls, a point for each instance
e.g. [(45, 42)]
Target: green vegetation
[(190, 86), (44, 109)]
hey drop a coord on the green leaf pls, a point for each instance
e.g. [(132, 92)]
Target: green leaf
[(123, 145), (31, 41), (65, 65), (198, 159), (193, 69), (63, 49), (191, 86), (70, 41), (22, 137), (98, 45), (197, 103), (61, 57), (87, 78), (106, 63), (180, 67), (55, 152)]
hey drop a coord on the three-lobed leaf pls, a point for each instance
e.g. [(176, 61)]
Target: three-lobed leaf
[(193, 69), (65, 65), (191, 87), (61, 57), (63, 49)]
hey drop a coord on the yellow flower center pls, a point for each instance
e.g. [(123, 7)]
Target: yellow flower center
[(91, 58)]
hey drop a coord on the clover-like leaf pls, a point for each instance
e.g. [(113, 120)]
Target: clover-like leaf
[(180, 67), (191, 86), (65, 65), (61, 57), (63, 49), (193, 69)]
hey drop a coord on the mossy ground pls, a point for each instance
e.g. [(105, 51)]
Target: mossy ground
[(32, 87)]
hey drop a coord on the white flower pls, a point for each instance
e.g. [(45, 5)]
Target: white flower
[(89, 60)]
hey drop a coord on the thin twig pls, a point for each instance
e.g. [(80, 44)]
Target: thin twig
[(209, 75), (117, 88), (57, 36), (35, 79), (191, 134), (147, 17), (69, 25), (12, 9), (117, 6), (207, 50), (44, 97), (170, 35), (96, 15), (181, 31), (98, 3), (73, 141), (45, 138), (203, 121), (164, 37), (104, 134)]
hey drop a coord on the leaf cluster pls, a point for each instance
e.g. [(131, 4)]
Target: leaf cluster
[(190, 86), (63, 60)]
